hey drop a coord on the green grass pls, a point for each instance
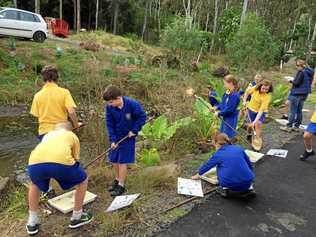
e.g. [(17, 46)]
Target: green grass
[(312, 98), (15, 205)]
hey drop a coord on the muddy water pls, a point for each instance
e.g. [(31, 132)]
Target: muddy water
[(18, 132), (17, 139)]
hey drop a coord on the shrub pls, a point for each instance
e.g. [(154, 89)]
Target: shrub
[(253, 45), (279, 95), (178, 36), (204, 124), (229, 23)]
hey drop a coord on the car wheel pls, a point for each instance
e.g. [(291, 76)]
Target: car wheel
[(39, 36)]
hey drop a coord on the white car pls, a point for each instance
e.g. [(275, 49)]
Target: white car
[(20, 23)]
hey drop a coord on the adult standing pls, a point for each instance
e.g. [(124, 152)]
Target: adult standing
[(301, 87)]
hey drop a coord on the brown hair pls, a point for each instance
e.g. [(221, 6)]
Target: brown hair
[(231, 79), (265, 83), (49, 73), (111, 93), (221, 139), (301, 63)]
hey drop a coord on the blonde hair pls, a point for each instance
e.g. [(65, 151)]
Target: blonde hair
[(258, 77)]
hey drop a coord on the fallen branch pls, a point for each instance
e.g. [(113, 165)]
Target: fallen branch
[(188, 200)]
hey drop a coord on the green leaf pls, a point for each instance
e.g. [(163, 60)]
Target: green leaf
[(150, 157), (159, 126)]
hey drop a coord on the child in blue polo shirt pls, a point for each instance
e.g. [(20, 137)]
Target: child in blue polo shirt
[(212, 96), (124, 117), (228, 108), (234, 170), (257, 79)]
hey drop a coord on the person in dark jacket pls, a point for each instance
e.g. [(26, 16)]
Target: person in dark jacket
[(234, 169), (301, 87), (124, 117)]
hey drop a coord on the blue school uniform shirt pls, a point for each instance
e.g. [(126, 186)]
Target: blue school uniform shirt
[(212, 98), (233, 165), (120, 122), (229, 104)]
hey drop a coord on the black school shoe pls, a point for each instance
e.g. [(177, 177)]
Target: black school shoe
[(306, 155), (223, 192), (84, 219), (32, 230), (118, 191), (246, 195), (113, 185)]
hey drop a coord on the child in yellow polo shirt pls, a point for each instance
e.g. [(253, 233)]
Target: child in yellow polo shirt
[(56, 157), (52, 104), (258, 105), (308, 138)]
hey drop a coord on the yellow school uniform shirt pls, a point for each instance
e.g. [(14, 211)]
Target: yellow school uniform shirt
[(58, 146), (50, 106), (259, 101), (313, 119)]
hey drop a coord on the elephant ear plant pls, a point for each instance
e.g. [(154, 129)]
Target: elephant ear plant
[(157, 133), (205, 123), (279, 95)]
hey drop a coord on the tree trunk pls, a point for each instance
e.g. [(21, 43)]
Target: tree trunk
[(78, 16), (214, 24), (310, 47), (145, 19), (75, 14), (226, 4), (89, 15), (61, 9), (15, 3), (37, 6), (158, 16), (96, 15), (207, 20), (116, 10), (188, 17), (244, 11), (291, 42)]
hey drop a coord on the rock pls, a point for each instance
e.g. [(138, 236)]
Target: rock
[(4, 183), (220, 72), (290, 63), (171, 170)]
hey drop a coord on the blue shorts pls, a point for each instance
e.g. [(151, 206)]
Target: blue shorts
[(311, 128), (124, 153), (67, 176), (232, 121), (253, 115)]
